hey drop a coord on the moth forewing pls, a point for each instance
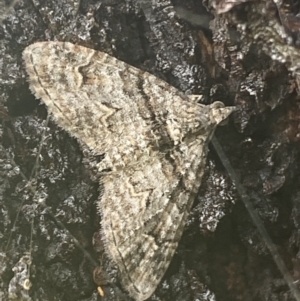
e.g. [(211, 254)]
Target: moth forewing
[(143, 126)]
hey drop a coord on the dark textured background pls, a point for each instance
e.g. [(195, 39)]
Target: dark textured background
[(247, 56)]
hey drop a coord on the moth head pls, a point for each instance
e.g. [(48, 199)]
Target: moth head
[(219, 113)]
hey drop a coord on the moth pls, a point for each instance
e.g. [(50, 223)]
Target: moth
[(154, 142)]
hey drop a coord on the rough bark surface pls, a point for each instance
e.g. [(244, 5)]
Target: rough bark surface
[(247, 56)]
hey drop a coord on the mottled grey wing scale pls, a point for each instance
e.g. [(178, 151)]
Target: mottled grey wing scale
[(152, 219), (100, 100), (142, 125)]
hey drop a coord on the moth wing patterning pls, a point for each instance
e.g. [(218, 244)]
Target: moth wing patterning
[(155, 144), (100, 100), (142, 232)]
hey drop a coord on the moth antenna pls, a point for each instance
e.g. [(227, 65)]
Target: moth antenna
[(257, 220)]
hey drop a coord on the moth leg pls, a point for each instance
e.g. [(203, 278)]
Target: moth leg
[(99, 280)]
